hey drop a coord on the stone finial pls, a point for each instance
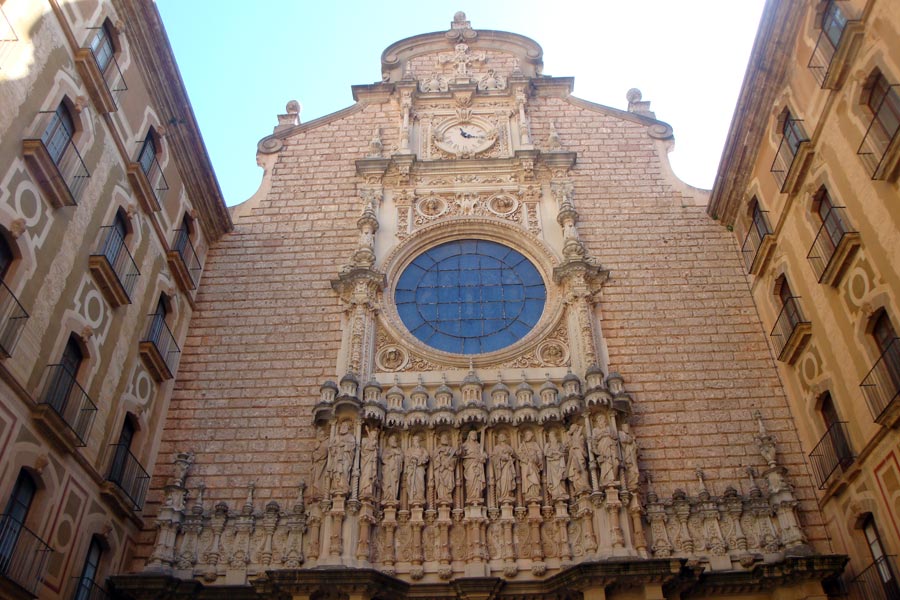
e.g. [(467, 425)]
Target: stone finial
[(291, 117), (251, 487), (638, 106), (460, 21), (183, 462)]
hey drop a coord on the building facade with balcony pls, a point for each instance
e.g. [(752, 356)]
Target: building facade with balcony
[(107, 199), (814, 148)]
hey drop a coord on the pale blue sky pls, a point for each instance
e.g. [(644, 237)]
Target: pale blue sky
[(243, 61)]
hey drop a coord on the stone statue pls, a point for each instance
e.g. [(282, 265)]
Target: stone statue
[(531, 464), (391, 467), (444, 469), (606, 449), (504, 460), (629, 457), (555, 452), (368, 472), (576, 469), (321, 471), (343, 451), (473, 457), (414, 473)]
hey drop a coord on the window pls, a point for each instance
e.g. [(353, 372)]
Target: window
[(789, 306), (59, 132), (122, 452), (834, 428), (64, 377), (6, 257), (881, 386), (14, 518), (883, 102), (886, 339), (87, 581), (102, 47), (147, 155), (833, 23), (470, 296), (793, 134), (158, 322), (883, 576)]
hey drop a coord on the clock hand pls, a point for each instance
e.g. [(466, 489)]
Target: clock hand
[(465, 134)]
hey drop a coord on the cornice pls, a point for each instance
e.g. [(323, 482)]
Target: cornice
[(658, 129), (156, 61), (766, 72)]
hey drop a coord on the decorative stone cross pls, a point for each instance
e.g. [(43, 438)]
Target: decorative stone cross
[(463, 58)]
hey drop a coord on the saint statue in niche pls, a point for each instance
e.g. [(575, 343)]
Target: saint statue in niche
[(391, 467), (343, 451), (416, 460), (531, 463), (368, 472), (504, 460), (473, 457), (444, 469)]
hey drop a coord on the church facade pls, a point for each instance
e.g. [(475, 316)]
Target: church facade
[(473, 338)]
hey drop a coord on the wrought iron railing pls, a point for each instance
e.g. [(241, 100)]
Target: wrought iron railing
[(758, 230), (834, 23), (789, 318), (878, 581), (185, 249), (69, 400), (112, 76), (157, 179), (128, 474), (787, 152), (881, 133), (881, 385), (23, 555), (831, 453), (12, 320), (85, 589), (159, 334), (828, 240), (66, 157), (111, 246)]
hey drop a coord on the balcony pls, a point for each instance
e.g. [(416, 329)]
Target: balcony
[(64, 409), (12, 321), (881, 386), (127, 478), (831, 454), (792, 156), (149, 183), (878, 581), (113, 267), (791, 332), (758, 242), (104, 85), (830, 60), (833, 247), (183, 261), (23, 558), (83, 588), (61, 175), (158, 349), (880, 148)]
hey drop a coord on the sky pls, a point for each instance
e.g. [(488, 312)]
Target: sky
[(242, 62)]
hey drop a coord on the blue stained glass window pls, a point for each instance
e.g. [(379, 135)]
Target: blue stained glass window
[(470, 296)]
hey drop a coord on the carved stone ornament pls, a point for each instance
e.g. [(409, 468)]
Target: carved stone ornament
[(392, 358)]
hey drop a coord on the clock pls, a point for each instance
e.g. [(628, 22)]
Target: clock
[(464, 139)]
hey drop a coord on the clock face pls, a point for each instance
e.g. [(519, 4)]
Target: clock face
[(464, 139)]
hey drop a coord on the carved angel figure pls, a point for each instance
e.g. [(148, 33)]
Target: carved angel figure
[(576, 470), (504, 461), (607, 452), (343, 451), (416, 460), (368, 472), (555, 451), (320, 465), (531, 463), (444, 469), (629, 457), (391, 467), (473, 457)]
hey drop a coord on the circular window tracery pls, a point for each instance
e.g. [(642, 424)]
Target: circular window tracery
[(470, 296)]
